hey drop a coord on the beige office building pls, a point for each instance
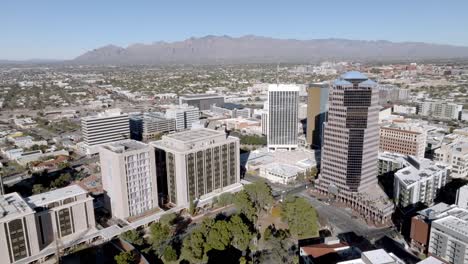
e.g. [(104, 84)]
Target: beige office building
[(403, 139), (64, 214), (129, 178), (18, 235), (196, 165), (317, 103)]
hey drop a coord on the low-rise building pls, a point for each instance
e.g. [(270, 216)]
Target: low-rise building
[(462, 197), (455, 156), (419, 182), (440, 109), (404, 109), (391, 162), (231, 110), (184, 115), (403, 138), (25, 123), (149, 125)]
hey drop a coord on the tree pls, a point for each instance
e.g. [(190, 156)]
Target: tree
[(38, 188), (226, 199), (168, 219), (193, 247), (219, 236), (245, 205), (159, 234), (267, 234), (169, 254), (62, 181), (260, 194), (192, 207), (240, 233), (300, 216), (126, 257), (133, 237)]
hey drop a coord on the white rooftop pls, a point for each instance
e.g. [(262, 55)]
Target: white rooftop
[(12, 205), (42, 199), (283, 87), (430, 260), (125, 145), (378, 256), (412, 174), (195, 135)]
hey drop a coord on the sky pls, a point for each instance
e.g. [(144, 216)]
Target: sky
[(65, 29)]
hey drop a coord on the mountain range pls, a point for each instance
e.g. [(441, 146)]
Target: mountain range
[(255, 49)]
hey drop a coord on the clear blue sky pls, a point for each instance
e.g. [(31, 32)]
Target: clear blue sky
[(64, 29)]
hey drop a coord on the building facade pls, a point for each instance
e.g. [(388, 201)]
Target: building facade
[(184, 115), (455, 156), (128, 172), (350, 147), (150, 125), (283, 103), (317, 107), (201, 101), (403, 139), (196, 165), (440, 109), (462, 197), (419, 182), (107, 127)]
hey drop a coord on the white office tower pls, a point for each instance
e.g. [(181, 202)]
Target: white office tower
[(107, 127), (184, 115), (129, 178), (283, 107), (197, 165)]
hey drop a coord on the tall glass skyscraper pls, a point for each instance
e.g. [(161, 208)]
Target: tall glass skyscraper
[(283, 106)]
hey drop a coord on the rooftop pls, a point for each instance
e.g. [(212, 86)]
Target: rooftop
[(412, 174), (13, 205), (378, 256), (195, 135), (354, 75), (434, 210), (108, 113), (42, 199), (125, 145), (283, 87), (430, 260), (200, 96)]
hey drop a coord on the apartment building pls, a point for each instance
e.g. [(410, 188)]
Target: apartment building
[(440, 109), (150, 125), (201, 101), (455, 156), (197, 165), (462, 197), (419, 182), (128, 171), (107, 127), (184, 115), (398, 137), (231, 110)]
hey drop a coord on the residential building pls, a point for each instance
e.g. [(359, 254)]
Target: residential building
[(376, 256), (402, 138), (449, 238), (128, 171), (440, 109), (18, 232), (201, 101), (391, 162), (184, 115), (419, 182), (317, 104), (150, 125), (283, 103), (106, 127), (24, 123), (455, 155), (62, 213), (197, 165), (462, 197), (349, 164)]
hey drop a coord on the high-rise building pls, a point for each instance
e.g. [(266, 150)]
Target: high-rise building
[(149, 125), (62, 213), (317, 104), (184, 115), (18, 232), (107, 127), (283, 107), (128, 171), (403, 138), (196, 164), (201, 101), (350, 147)]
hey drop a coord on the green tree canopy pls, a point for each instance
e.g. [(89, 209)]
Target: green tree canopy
[(134, 237), (219, 236), (245, 205), (168, 219), (126, 257), (240, 233), (159, 235), (300, 216), (260, 194), (169, 254), (193, 247)]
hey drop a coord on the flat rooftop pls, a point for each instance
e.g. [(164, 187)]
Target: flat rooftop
[(411, 174), (434, 210), (125, 145), (378, 256), (195, 135), (13, 205), (200, 96), (42, 199)]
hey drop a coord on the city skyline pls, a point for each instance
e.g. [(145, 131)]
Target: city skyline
[(66, 30)]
